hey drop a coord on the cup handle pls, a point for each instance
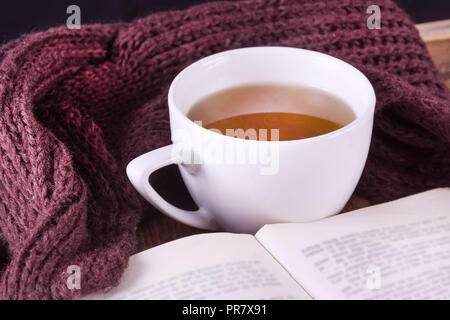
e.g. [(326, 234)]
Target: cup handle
[(139, 171)]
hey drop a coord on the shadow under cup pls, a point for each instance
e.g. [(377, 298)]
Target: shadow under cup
[(313, 178)]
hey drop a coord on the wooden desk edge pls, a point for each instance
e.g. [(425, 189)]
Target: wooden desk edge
[(435, 30)]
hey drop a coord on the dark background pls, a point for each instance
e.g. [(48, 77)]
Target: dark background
[(21, 16)]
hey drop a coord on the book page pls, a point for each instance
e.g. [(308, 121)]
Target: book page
[(396, 250), (206, 266)]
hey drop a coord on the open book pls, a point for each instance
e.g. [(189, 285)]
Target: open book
[(396, 250)]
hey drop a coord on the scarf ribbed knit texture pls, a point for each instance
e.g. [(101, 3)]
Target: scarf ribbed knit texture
[(78, 105)]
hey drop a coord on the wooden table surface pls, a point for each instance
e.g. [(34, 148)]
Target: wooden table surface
[(156, 228)]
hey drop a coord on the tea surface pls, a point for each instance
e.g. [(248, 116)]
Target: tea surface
[(297, 112), (291, 126)]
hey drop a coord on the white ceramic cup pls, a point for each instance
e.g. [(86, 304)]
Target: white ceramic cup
[(314, 177)]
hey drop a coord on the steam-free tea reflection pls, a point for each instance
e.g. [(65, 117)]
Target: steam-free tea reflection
[(248, 111)]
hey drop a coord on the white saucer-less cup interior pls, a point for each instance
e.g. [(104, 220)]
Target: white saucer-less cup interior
[(291, 181)]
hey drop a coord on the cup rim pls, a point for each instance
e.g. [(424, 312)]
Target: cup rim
[(346, 128)]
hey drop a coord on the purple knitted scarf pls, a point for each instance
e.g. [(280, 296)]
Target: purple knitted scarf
[(78, 105)]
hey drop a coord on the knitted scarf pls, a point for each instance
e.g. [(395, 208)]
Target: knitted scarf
[(78, 105)]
